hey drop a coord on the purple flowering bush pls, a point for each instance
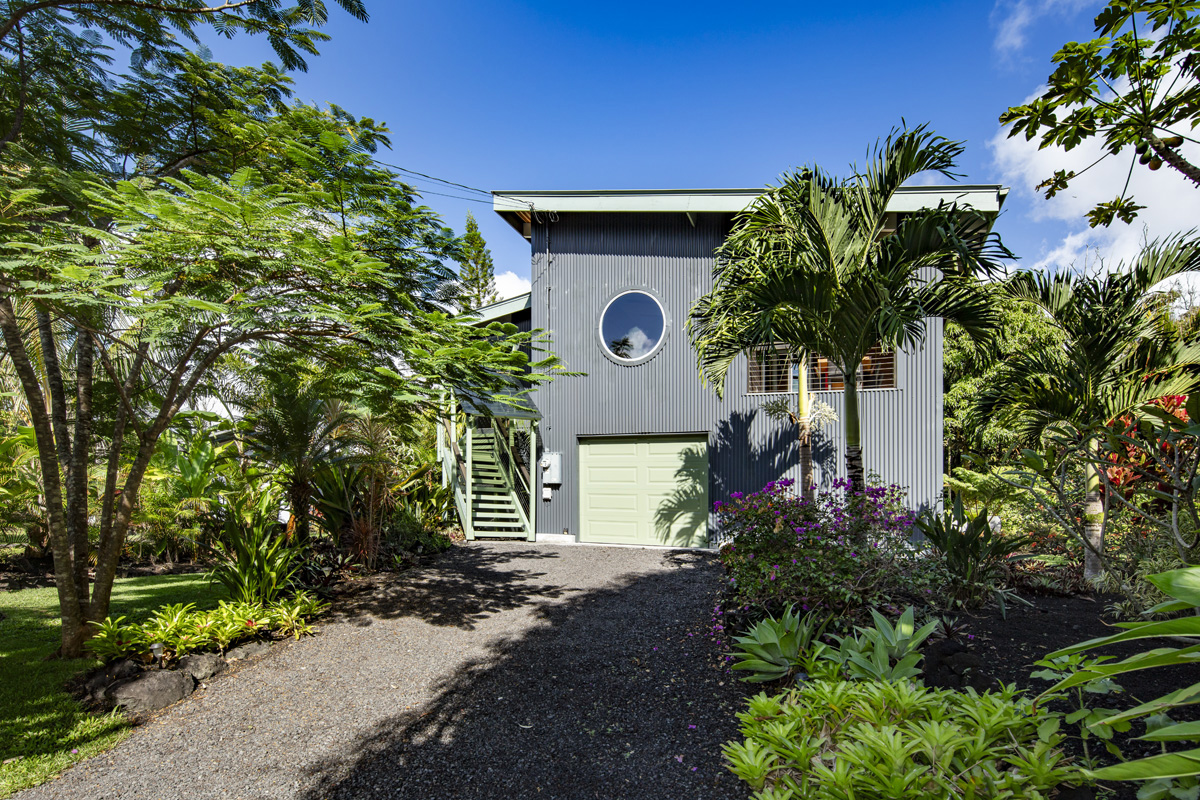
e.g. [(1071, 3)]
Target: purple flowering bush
[(840, 552)]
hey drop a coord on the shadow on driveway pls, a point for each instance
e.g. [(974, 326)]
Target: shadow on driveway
[(464, 586), (613, 693)]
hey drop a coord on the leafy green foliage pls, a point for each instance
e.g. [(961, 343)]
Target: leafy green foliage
[(974, 553), (837, 553), (182, 629), (255, 558), (884, 652), (969, 369), (478, 275), (1153, 49), (1169, 772), (831, 740), (1086, 718), (772, 649)]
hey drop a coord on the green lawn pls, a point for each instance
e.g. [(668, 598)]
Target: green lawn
[(42, 730)]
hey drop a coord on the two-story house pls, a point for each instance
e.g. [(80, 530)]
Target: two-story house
[(636, 451)]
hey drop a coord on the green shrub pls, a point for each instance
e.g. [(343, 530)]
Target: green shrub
[(837, 553), (839, 740), (182, 629), (1171, 773), (255, 560), (772, 650), (975, 555)]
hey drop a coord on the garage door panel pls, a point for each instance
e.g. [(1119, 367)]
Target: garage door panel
[(612, 476), (644, 490)]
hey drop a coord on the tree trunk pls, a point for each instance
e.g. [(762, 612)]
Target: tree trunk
[(56, 524), (1177, 162), (808, 487), (81, 456), (1093, 522), (110, 548), (855, 472)]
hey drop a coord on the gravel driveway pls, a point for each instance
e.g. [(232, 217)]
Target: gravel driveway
[(502, 671)]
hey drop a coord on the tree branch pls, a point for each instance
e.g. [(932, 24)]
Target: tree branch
[(15, 18)]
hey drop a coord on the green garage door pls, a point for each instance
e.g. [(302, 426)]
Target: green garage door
[(644, 490)]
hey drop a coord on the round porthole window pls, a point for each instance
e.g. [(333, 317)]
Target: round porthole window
[(632, 326)]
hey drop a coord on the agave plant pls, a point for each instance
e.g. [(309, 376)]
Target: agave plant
[(772, 649), (885, 652)]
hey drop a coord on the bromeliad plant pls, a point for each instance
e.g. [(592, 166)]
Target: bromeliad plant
[(833, 740), (774, 649), (182, 629), (255, 560), (1170, 772)]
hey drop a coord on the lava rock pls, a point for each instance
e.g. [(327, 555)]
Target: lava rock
[(950, 665), (201, 666), (151, 691), (247, 650), (96, 682)]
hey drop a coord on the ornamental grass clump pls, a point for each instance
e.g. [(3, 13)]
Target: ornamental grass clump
[(834, 740), (839, 552)]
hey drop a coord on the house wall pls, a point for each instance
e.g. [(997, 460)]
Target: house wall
[(581, 261)]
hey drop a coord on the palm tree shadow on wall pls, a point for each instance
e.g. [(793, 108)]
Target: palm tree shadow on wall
[(735, 461)]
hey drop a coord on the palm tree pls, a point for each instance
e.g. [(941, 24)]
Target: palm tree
[(1119, 352), (811, 265), (297, 430)]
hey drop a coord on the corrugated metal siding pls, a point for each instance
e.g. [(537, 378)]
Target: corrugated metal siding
[(581, 261)]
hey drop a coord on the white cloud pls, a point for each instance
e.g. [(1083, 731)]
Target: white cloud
[(639, 343), (1012, 19), (510, 284), (1171, 201)]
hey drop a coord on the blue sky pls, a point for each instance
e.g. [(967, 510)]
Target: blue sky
[(619, 95)]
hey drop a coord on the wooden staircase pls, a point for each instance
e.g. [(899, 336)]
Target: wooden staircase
[(493, 509)]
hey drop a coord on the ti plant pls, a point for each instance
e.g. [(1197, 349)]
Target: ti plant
[(773, 649), (1169, 773)]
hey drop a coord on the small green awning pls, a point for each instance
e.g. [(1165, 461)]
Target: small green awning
[(478, 406)]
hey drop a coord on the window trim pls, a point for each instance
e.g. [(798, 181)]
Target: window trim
[(662, 340)]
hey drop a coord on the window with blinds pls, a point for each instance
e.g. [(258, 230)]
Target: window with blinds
[(770, 371), (878, 371)]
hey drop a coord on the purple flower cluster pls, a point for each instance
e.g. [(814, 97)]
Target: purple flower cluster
[(828, 552)]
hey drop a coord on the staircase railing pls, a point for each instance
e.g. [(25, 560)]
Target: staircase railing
[(456, 470), (515, 470)]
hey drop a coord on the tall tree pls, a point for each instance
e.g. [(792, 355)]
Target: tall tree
[(809, 265), (55, 83), (478, 274), (1135, 85), (1118, 351), (189, 274)]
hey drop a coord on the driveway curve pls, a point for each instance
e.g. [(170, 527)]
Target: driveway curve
[(502, 671)]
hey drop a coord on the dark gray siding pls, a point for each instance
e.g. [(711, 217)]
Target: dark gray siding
[(581, 261)]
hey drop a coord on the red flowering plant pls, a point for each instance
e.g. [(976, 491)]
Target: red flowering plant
[(839, 552)]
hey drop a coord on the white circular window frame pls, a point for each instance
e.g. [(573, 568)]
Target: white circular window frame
[(662, 340)]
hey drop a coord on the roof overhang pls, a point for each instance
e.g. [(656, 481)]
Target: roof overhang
[(503, 308), (520, 209)]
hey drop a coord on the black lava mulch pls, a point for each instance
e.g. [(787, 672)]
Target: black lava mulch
[(621, 694), (1009, 646)]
